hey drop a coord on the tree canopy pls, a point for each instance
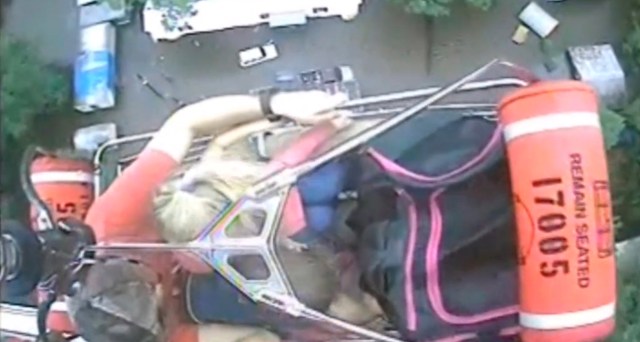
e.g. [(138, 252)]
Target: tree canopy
[(439, 8), (624, 165), (30, 88)]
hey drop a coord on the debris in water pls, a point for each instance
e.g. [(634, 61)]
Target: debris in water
[(167, 78), (520, 35), (538, 20), (145, 82), (599, 66), (154, 90)]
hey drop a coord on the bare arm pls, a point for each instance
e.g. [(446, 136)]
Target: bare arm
[(220, 113), (230, 137), (207, 116), (300, 150)]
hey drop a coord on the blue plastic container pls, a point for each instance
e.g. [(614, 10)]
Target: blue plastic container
[(95, 69)]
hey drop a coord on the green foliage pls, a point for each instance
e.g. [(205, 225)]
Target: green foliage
[(631, 45), (628, 324), (624, 160), (484, 5), (612, 126), (174, 9), (624, 166), (29, 88), (439, 8), (177, 3), (632, 113), (624, 169)]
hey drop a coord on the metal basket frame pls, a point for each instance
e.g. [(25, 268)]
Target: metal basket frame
[(368, 107), (379, 103)]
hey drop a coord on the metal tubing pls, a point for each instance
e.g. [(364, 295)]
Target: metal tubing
[(354, 116), (142, 246), (372, 100), (406, 95), (289, 176)]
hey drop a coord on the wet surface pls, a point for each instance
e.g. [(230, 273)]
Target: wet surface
[(476, 36), (387, 49)]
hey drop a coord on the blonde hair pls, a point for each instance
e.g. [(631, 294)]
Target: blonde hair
[(183, 208)]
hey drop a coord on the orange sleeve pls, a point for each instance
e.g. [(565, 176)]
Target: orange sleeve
[(184, 333), (126, 208)]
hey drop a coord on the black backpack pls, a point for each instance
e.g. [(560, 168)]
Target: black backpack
[(436, 231)]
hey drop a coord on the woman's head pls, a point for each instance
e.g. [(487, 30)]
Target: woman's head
[(183, 208), (226, 169)]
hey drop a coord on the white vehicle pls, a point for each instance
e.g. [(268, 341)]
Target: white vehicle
[(258, 54), (163, 23)]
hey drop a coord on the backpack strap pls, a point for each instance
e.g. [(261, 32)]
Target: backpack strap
[(437, 149)]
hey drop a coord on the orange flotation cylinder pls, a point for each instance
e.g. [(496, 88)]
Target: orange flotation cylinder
[(64, 184), (563, 211)]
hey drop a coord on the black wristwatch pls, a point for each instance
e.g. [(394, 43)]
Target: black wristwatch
[(265, 96)]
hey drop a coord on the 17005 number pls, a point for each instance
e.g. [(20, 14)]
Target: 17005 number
[(552, 244)]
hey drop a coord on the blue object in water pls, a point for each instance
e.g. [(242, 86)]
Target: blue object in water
[(94, 80)]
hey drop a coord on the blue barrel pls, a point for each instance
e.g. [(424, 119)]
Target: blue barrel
[(95, 69)]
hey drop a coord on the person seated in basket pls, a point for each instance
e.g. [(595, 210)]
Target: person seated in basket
[(133, 299), (309, 258)]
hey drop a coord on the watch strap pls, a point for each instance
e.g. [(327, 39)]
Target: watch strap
[(265, 97)]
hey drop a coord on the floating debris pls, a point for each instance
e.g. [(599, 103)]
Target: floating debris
[(598, 65), (145, 82), (538, 20), (520, 35)]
